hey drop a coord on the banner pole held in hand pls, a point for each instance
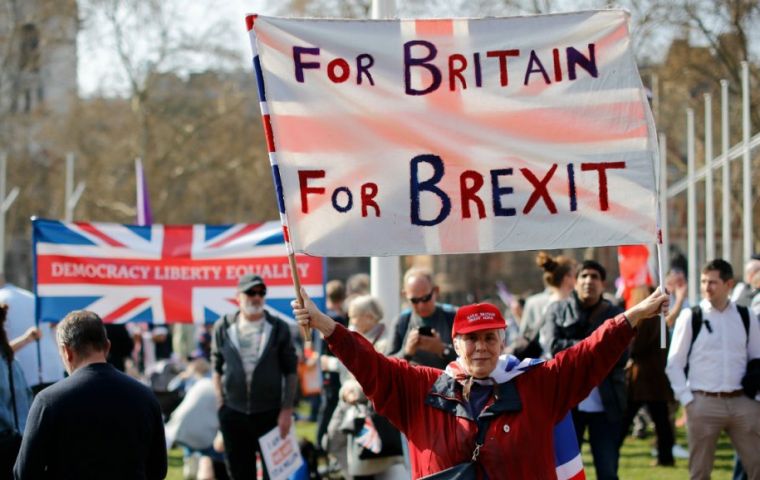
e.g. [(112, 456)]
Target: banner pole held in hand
[(662, 192), (305, 330), (663, 323)]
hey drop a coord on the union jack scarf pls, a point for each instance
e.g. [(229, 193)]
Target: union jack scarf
[(368, 437)]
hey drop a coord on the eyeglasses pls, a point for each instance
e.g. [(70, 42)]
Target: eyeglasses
[(422, 299), (261, 292)]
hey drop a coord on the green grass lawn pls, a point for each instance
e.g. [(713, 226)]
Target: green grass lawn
[(303, 430), (175, 464), (635, 458)]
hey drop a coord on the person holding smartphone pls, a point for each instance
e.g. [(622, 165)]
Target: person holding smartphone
[(422, 333)]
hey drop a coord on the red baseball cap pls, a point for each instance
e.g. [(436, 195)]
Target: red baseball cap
[(475, 317)]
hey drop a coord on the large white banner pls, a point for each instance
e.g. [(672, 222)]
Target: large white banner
[(454, 136)]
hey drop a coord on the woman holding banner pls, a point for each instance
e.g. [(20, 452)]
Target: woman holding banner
[(481, 415)]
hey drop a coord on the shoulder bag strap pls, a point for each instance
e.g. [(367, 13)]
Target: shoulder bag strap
[(696, 326), (481, 438), (13, 391), (379, 334), (744, 313), (406, 322)]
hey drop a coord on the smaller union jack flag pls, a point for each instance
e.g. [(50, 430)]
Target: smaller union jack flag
[(162, 273), (368, 437), (567, 453)]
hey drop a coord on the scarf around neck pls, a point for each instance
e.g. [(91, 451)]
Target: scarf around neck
[(507, 368)]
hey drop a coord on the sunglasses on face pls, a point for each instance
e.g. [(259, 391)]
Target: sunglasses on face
[(422, 299), (261, 292)]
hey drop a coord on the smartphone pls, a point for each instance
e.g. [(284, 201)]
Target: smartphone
[(426, 331)]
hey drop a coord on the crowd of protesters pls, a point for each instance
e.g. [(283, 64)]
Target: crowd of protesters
[(220, 387), (637, 388)]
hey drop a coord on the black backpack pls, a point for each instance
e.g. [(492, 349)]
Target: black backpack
[(696, 326)]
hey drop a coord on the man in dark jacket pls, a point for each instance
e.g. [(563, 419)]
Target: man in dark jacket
[(568, 322), (121, 345), (252, 354), (98, 422)]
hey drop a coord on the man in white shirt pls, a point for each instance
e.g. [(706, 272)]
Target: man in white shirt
[(717, 359)]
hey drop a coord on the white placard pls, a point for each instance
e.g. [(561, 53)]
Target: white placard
[(281, 455)]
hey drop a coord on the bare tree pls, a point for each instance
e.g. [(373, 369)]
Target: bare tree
[(194, 116), (37, 82), (148, 38), (689, 44)]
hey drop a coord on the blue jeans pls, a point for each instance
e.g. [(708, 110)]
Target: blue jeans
[(604, 438)]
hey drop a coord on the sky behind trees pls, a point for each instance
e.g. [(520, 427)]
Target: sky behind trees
[(218, 28)]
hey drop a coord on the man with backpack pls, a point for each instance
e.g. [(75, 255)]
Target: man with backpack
[(711, 347), (422, 334)]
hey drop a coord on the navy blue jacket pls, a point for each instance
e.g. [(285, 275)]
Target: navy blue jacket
[(98, 423)]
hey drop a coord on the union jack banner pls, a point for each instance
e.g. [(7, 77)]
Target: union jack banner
[(456, 135), (162, 273)]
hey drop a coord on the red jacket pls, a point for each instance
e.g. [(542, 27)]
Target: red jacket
[(427, 406)]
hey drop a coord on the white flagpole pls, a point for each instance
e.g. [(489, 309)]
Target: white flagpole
[(691, 205), (662, 230), (72, 194), (726, 180), (709, 203), (4, 207), (746, 166), (385, 272)]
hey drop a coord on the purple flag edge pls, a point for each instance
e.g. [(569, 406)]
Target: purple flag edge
[(144, 214)]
